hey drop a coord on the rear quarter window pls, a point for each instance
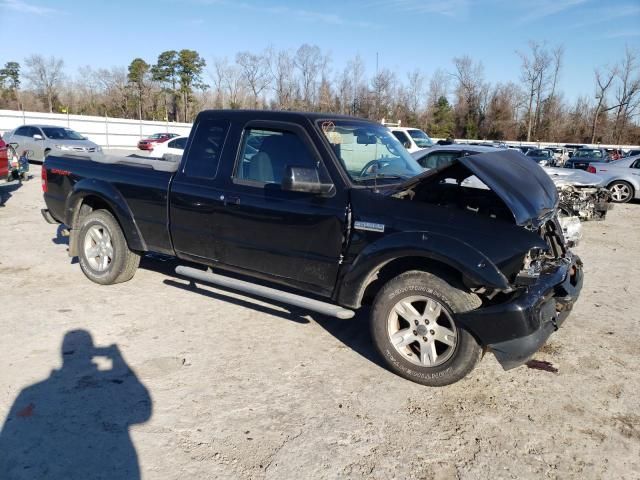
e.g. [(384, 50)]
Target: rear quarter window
[(206, 149)]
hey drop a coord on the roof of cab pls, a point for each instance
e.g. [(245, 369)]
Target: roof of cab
[(278, 115)]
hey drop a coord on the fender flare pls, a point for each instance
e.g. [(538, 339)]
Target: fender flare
[(434, 246), (117, 204)]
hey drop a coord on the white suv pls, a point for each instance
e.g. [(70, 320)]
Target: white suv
[(413, 139)]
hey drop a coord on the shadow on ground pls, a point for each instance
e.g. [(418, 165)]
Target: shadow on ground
[(75, 424), (6, 189), (354, 332)]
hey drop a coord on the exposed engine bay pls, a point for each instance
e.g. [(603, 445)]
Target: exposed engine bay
[(448, 188)]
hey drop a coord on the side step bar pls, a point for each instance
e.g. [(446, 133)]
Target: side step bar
[(271, 293)]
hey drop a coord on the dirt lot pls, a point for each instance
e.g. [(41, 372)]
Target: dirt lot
[(217, 385)]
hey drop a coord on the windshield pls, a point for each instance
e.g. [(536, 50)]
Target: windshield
[(422, 139), (538, 153), (60, 133), (588, 154), (369, 152)]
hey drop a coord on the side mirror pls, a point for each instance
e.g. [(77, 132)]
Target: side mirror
[(407, 144), (38, 137), (304, 179)]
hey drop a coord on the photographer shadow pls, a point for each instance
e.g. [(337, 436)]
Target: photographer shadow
[(75, 424)]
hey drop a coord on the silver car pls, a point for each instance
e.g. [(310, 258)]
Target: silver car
[(45, 139), (622, 177)]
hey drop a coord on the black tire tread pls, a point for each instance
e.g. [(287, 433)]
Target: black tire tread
[(130, 259), (449, 292)]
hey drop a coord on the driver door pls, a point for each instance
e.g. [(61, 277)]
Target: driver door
[(295, 238)]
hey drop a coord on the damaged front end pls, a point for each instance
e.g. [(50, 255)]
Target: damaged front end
[(584, 202), (582, 194), (544, 280)]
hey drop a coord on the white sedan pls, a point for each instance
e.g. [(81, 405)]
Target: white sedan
[(170, 150)]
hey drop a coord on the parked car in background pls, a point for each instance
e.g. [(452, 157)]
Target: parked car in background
[(560, 155), (582, 194), (584, 156), (525, 148), (631, 153), (413, 139), (572, 147), (171, 150), (543, 157), (621, 177), (151, 141), (44, 139)]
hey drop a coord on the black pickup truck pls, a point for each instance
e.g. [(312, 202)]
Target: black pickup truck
[(331, 213)]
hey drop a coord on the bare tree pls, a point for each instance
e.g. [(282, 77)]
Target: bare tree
[(438, 87), (533, 75), (228, 79), (254, 69), (308, 60), (627, 93), (472, 94), (46, 76), (281, 66), (603, 82), (383, 86), (415, 91)]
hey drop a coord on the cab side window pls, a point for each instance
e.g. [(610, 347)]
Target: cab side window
[(206, 148), (266, 153)]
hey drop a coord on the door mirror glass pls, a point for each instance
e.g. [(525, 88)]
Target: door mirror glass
[(305, 179), (37, 136)]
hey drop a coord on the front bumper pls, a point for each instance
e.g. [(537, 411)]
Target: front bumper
[(515, 330)]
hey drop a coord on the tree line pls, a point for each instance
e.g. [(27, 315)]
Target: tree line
[(453, 102)]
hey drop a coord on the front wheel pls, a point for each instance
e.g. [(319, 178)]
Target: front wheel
[(414, 329), (104, 255)]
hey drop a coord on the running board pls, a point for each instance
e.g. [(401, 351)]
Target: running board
[(328, 309)]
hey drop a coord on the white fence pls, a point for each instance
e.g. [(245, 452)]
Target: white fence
[(106, 132)]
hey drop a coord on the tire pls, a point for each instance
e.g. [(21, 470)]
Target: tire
[(446, 363), (621, 191), (93, 246)]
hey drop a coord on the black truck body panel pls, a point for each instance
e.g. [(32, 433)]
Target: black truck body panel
[(331, 246)]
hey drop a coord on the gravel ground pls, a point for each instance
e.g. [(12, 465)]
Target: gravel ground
[(205, 383)]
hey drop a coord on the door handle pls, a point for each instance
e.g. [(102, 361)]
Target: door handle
[(230, 200)]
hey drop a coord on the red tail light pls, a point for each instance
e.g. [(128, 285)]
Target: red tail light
[(591, 169), (44, 179)]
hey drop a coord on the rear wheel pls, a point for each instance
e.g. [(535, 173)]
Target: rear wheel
[(621, 191), (104, 255), (413, 327)]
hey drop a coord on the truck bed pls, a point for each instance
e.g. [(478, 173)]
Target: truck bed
[(141, 185)]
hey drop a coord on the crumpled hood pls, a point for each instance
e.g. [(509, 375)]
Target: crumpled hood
[(573, 177), (521, 184)]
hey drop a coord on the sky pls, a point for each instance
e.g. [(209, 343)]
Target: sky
[(404, 34)]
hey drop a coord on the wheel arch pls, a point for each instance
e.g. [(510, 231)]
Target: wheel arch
[(84, 200), (452, 259)]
